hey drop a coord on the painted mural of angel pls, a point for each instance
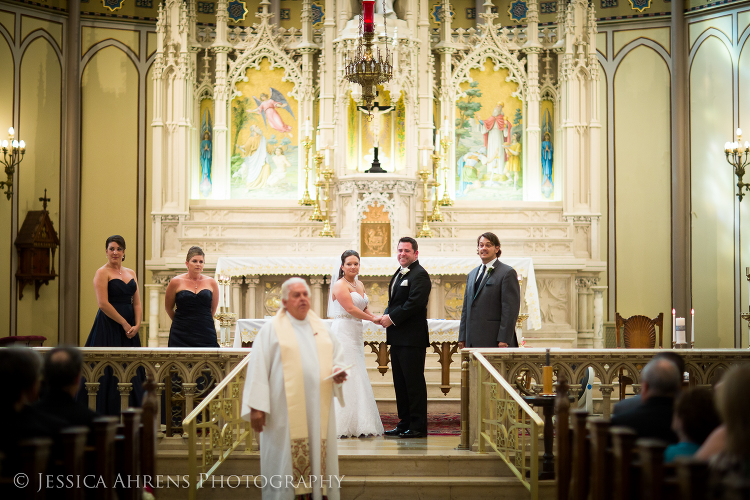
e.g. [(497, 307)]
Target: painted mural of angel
[(205, 185), (266, 107)]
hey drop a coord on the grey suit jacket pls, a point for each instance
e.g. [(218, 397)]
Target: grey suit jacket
[(490, 310)]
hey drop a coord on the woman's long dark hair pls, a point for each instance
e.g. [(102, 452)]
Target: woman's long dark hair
[(344, 255)]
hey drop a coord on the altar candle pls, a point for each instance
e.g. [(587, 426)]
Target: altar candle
[(327, 155), (308, 128), (425, 158), (317, 140), (437, 141), (692, 325), (680, 331), (674, 337), (445, 125), (547, 380)]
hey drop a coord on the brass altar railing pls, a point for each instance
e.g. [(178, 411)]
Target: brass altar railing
[(183, 376), (507, 424), (215, 428)]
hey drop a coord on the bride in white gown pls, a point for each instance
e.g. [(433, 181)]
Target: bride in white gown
[(360, 416)]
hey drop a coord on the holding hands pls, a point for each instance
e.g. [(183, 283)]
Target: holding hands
[(384, 320)]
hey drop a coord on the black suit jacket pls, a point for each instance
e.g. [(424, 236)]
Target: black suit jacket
[(63, 406), (652, 419), (407, 307), (490, 310)]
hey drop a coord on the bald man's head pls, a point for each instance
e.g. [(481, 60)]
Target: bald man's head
[(62, 368)]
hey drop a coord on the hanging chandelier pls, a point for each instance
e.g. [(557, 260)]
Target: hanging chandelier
[(369, 68)]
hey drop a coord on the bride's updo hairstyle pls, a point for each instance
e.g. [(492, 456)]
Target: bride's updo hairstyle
[(193, 251), (344, 255)]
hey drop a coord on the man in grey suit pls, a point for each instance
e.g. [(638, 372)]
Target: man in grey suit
[(492, 300)]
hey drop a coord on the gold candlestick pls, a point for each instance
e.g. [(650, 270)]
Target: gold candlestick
[(425, 232), (436, 215), (446, 201), (306, 200), (317, 215), (327, 231)]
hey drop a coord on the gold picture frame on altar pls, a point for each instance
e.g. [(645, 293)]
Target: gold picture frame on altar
[(375, 232)]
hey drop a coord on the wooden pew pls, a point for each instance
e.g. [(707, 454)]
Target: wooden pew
[(581, 472), (564, 453), (623, 442), (34, 459), (692, 476), (74, 446), (601, 458)]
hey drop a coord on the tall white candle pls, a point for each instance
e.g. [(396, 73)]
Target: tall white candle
[(674, 337), (692, 325), (680, 331), (308, 127), (317, 140), (425, 158), (437, 141), (327, 156)]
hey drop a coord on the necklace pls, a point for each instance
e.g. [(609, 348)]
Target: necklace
[(350, 284), (196, 280), (119, 270)]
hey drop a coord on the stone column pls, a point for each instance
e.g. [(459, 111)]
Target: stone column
[(585, 312), (91, 389), (316, 283), (188, 388), (433, 306), (221, 176), (598, 316), (70, 191), (153, 313), (159, 391), (532, 146), (606, 390), (125, 389), (252, 285), (236, 302)]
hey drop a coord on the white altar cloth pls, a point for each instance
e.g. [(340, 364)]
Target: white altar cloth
[(441, 330), (378, 266)]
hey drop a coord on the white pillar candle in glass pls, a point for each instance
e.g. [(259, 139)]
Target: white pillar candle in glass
[(680, 331), (674, 337)]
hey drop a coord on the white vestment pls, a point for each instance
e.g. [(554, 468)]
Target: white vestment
[(264, 391)]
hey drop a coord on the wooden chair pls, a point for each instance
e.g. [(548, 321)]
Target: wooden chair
[(638, 332)]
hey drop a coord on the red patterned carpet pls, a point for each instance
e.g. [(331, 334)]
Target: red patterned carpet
[(438, 424)]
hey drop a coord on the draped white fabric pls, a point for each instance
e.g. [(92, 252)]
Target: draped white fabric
[(378, 266), (441, 330)]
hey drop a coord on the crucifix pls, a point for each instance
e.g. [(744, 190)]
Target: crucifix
[(374, 117), (44, 200)]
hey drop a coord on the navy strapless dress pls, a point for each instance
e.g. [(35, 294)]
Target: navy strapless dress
[(106, 332), (193, 325)]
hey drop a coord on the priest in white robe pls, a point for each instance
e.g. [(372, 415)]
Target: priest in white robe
[(288, 398)]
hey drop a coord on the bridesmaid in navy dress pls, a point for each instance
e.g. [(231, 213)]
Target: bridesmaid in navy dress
[(196, 298), (117, 321)]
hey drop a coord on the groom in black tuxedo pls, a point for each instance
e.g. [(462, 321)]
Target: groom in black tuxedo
[(405, 320)]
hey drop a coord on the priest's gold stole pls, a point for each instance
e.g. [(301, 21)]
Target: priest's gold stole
[(375, 232)]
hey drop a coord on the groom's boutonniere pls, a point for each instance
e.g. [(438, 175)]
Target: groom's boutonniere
[(404, 271), (490, 268)]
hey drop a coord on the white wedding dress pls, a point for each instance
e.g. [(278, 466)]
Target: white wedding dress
[(360, 416)]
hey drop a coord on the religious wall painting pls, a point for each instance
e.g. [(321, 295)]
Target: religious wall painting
[(205, 148), (264, 136), (375, 232), (400, 133), (548, 149), (489, 137), (352, 136)]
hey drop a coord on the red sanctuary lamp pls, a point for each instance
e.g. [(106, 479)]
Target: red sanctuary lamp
[(368, 16)]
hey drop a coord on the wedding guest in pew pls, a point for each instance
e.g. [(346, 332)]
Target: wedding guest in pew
[(20, 370), (730, 468), (660, 382), (695, 417), (633, 402), (62, 379)]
